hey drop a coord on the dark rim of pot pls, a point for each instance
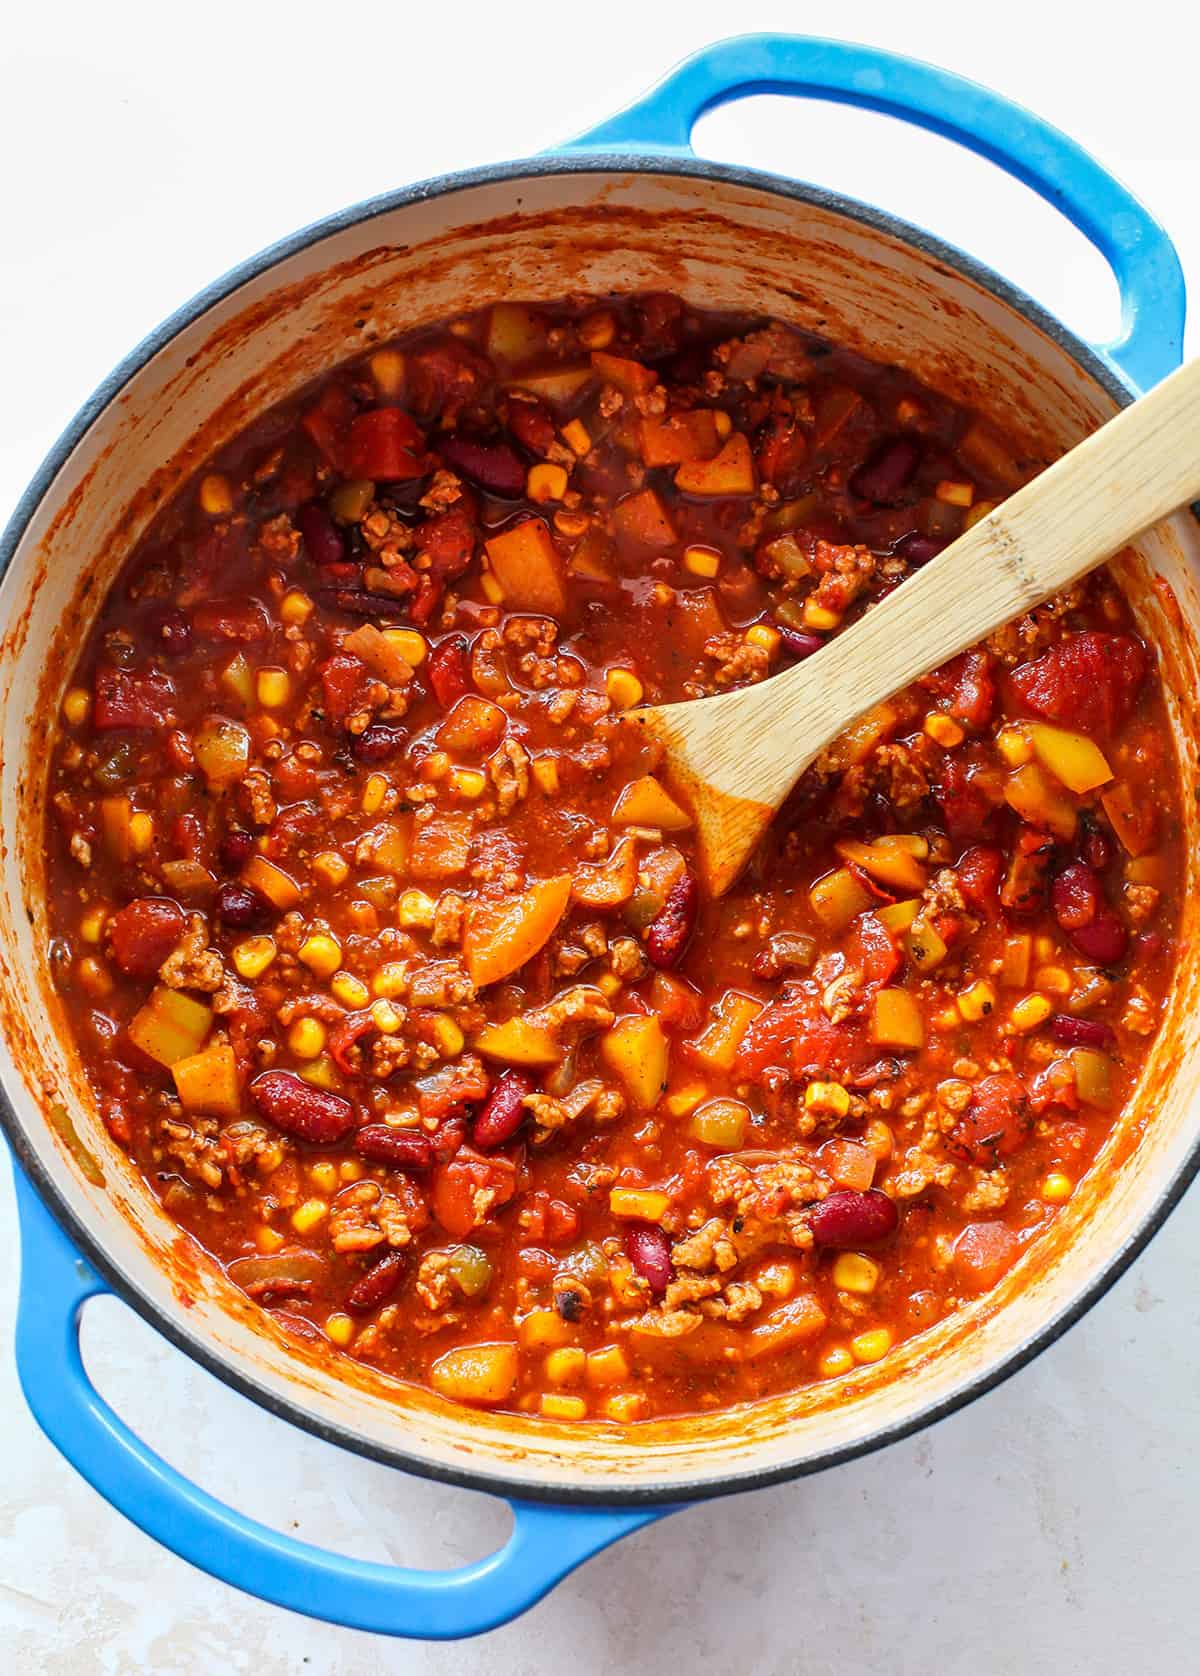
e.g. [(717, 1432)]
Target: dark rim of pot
[(672, 1493)]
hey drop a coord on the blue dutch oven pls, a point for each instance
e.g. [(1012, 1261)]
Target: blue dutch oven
[(627, 206)]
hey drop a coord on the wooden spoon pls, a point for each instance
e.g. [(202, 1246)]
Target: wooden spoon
[(735, 757)]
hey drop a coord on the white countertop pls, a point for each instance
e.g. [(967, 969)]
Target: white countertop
[(1053, 1526)]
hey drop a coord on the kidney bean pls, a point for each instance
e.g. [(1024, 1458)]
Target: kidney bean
[(378, 743), (299, 1109), (1105, 940), (171, 630), (502, 1112), (919, 549), (1075, 896), (493, 465), (1095, 848), (385, 1144), (846, 1219), (888, 470), (322, 538), (1080, 1032), (377, 1285), (799, 644), (238, 905), (649, 1250), (235, 849), (668, 932), (449, 675), (143, 934)]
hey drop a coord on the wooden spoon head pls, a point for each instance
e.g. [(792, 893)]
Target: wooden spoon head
[(728, 827)]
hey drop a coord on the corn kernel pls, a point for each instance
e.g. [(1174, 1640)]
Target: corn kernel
[(872, 1345), (565, 1366), (1044, 947), (216, 495), (609, 984), (723, 423), (596, 331), (267, 1162), (820, 617), (308, 1215), (762, 634), (252, 956), (623, 688), (324, 1176), (702, 561), (93, 974), (1014, 746), (351, 1170), (571, 524), (340, 1329), (141, 832), (1055, 980), (415, 910), (320, 1072), (553, 1405), (545, 483), (1057, 1187), (268, 1240), (952, 493), (852, 1272), (909, 412), (350, 991), (978, 511), (948, 1019), (490, 588), (467, 782), (608, 1366), (835, 1362), (576, 437), (685, 1100), (436, 766), (545, 772), (1029, 1012), (385, 1018), (391, 980), (333, 868), (943, 730), (977, 1002), (75, 706), (411, 646), (387, 370), (543, 1329), (321, 954), (295, 607), (624, 1406), (91, 926), (448, 1035), (306, 1038), (273, 687), (373, 793), (776, 1279), (642, 1204), (827, 1097)]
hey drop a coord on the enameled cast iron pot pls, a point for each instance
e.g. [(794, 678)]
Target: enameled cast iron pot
[(628, 207)]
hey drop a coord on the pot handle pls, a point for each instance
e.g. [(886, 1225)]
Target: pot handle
[(547, 1541), (1133, 243)]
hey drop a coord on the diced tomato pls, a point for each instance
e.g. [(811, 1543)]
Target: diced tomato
[(781, 454), (1089, 680), (344, 680), (872, 951), (972, 690), (343, 1044), (966, 807), (449, 670), (979, 873), (386, 446), (675, 1002), (242, 621), (996, 1123), (143, 934), (328, 422), (135, 698), (770, 1036), (532, 425), (448, 539), (442, 378), (448, 1090), (458, 1185)]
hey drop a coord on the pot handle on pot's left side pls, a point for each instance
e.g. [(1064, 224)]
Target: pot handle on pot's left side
[(1133, 243), (546, 1543)]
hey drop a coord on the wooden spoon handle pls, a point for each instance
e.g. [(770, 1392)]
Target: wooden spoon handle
[(1137, 468)]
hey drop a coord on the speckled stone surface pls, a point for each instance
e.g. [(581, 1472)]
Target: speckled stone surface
[(1051, 1527)]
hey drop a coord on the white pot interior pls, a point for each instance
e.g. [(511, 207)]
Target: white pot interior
[(719, 243)]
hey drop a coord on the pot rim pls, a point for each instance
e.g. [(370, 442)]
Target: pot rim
[(672, 1493)]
